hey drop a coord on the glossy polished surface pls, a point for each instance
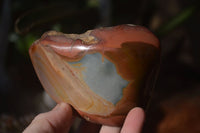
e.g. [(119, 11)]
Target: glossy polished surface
[(102, 73)]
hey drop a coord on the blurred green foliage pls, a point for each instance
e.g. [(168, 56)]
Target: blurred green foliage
[(22, 42), (177, 20)]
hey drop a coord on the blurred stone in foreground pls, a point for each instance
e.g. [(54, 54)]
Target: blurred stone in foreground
[(181, 114), (11, 124)]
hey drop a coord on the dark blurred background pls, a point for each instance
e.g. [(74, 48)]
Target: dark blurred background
[(175, 104)]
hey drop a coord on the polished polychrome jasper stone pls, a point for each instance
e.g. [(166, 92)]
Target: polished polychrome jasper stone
[(102, 73)]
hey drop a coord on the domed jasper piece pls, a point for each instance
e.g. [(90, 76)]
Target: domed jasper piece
[(102, 73)]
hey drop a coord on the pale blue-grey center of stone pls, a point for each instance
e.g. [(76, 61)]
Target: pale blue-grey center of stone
[(101, 77)]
